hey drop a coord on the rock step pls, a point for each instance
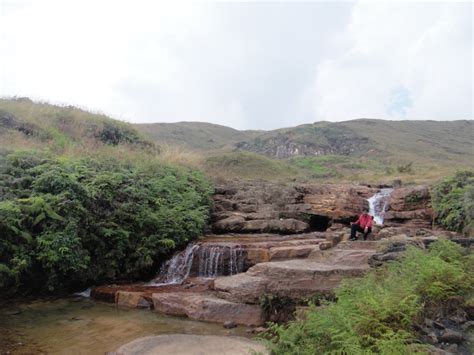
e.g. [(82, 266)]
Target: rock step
[(345, 257), (264, 237), (207, 307), (359, 244), (292, 278)]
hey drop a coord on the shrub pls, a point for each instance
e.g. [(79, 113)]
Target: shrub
[(377, 313), (68, 223), (453, 201)]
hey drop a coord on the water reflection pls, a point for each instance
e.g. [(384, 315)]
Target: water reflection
[(71, 326)]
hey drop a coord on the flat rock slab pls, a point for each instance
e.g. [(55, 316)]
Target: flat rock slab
[(185, 344), (207, 307)]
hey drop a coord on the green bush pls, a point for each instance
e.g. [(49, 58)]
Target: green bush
[(453, 201), (377, 313), (68, 223)]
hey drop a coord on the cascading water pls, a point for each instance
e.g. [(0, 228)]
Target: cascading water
[(220, 260), (378, 204), (177, 269), (209, 260)]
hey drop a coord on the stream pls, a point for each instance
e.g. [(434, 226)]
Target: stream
[(82, 326)]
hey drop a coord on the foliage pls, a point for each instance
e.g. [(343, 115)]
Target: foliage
[(453, 201), (66, 223), (377, 313)]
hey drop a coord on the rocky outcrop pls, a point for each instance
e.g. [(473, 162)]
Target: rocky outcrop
[(410, 206), (284, 208), (308, 140), (261, 207)]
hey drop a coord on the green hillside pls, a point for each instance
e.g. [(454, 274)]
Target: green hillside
[(366, 150), (25, 124), (358, 150), (195, 135)]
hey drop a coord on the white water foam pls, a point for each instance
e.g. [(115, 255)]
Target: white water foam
[(378, 204)]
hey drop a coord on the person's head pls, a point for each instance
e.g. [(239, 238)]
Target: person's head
[(365, 210)]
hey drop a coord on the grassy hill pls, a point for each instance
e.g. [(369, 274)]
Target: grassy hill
[(364, 150), (358, 150), (200, 136), (25, 124)]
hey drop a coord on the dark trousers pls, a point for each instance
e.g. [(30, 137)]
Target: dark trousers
[(357, 228)]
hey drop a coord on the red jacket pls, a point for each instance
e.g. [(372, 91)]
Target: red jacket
[(364, 221)]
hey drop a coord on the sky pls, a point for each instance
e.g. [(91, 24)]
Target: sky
[(248, 65)]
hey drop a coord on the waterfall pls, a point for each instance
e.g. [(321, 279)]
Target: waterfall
[(208, 260), (217, 260), (378, 204), (177, 269)]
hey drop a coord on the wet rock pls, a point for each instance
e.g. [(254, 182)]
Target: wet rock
[(229, 324), (451, 336), (207, 307), (192, 344), (132, 300)]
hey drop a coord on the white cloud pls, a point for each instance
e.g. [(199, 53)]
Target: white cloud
[(423, 49), (246, 65)]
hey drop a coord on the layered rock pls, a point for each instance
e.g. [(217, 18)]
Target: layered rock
[(261, 207), (284, 208), (410, 206), (208, 308), (319, 273)]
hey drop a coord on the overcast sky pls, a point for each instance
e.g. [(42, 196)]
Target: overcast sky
[(249, 65)]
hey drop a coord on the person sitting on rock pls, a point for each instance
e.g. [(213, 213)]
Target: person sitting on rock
[(362, 225)]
